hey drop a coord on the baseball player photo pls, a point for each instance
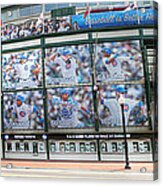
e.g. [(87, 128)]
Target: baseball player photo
[(110, 112), (22, 70), (134, 109), (67, 108), (118, 61), (23, 111), (68, 65)]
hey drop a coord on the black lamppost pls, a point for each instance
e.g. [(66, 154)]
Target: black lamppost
[(121, 101)]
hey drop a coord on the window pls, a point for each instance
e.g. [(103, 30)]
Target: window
[(82, 147), (114, 147), (49, 7), (35, 148), (79, 4), (36, 9), (141, 147), (53, 147), (30, 10), (105, 3), (117, 3), (63, 5), (17, 146), (25, 11), (135, 147), (41, 147), (21, 147), (26, 146), (147, 3), (72, 147), (4, 17), (92, 147), (146, 146), (87, 147), (12, 14), (67, 147), (103, 146), (9, 146), (62, 147), (93, 4)]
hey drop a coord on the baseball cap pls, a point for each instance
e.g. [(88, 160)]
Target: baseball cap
[(66, 52), (66, 91), (106, 50), (20, 98), (23, 57), (140, 104), (121, 89)]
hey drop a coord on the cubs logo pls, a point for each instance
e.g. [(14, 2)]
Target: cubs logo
[(126, 107), (26, 67), (22, 114), (68, 64), (66, 114), (114, 64)]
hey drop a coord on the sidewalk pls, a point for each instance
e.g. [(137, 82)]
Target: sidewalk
[(93, 170)]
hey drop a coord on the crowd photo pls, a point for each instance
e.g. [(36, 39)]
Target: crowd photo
[(26, 29), (36, 27)]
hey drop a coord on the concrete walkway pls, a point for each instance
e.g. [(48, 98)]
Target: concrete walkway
[(88, 170)]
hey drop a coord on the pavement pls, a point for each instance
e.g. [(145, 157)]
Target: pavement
[(78, 170)]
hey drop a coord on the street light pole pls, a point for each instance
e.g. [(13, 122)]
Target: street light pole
[(121, 100)]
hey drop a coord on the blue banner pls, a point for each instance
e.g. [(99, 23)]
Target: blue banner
[(115, 18)]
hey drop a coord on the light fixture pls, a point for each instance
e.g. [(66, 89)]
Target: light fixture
[(6, 137), (44, 136)]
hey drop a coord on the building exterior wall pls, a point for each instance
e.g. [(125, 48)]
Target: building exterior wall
[(88, 42)]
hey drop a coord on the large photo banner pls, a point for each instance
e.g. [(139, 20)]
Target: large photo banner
[(70, 108), (23, 110), (115, 19), (118, 61), (70, 65), (22, 70), (109, 109)]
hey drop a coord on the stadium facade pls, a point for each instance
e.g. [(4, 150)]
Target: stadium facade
[(64, 69)]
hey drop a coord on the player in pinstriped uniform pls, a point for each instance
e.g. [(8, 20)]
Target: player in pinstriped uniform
[(23, 112), (67, 111), (68, 66), (134, 110), (112, 61)]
